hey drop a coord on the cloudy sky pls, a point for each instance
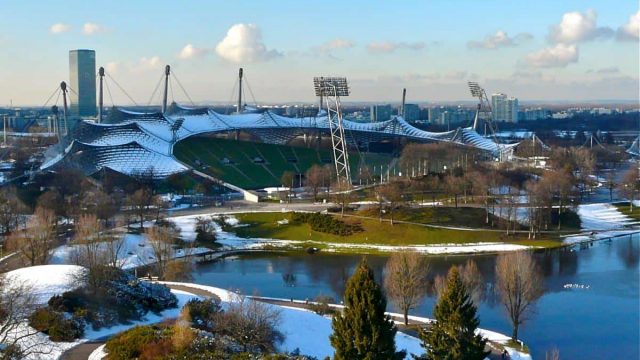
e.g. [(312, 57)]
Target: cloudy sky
[(535, 50)]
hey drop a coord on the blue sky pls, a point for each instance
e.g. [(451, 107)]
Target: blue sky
[(535, 50)]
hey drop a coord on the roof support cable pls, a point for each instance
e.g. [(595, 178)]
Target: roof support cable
[(182, 87), (122, 89), (153, 94)]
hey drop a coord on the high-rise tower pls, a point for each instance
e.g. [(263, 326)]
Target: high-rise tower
[(82, 76)]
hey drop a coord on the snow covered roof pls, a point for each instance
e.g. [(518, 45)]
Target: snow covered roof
[(137, 141)]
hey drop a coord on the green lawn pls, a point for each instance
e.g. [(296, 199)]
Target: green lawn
[(244, 172), (265, 225)]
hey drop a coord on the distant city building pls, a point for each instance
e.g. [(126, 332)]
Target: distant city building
[(82, 76), (456, 116), (380, 112), (504, 108), (533, 114), (411, 112), (435, 115)]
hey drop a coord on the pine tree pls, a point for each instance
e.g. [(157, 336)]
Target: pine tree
[(452, 336), (363, 331)]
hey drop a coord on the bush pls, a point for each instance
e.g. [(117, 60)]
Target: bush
[(202, 311), (131, 343), (54, 324), (326, 224), (321, 305), (251, 324)]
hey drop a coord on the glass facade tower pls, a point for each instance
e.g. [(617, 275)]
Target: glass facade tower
[(82, 76)]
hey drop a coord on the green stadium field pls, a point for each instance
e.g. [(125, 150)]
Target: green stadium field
[(256, 165)]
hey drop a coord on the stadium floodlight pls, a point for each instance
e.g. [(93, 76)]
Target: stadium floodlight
[(331, 89), (331, 86), (476, 90)]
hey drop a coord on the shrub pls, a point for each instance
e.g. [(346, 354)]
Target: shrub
[(251, 324), (131, 343), (321, 305), (326, 224), (202, 311), (54, 324)]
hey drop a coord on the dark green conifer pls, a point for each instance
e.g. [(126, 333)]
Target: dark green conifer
[(363, 331), (452, 336)]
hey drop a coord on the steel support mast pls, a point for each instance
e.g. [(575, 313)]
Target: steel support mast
[(331, 89)]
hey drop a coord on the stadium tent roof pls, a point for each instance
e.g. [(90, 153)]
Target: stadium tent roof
[(140, 141)]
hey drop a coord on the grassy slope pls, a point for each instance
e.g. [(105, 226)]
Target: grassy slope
[(247, 174), (265, 225)]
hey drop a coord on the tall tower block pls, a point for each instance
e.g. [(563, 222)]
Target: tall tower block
[(82, 81)]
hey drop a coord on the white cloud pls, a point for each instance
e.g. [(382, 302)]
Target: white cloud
[(498, 40), (243, 43), (386, 47), (92, 28), (577, 27), (190, 52), (147, 63), (335, 44), (559, 55), (59, 28), (112, 67), (630, 30)]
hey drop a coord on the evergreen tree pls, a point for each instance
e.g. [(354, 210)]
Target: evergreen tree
[(363, 331), (452, 336)]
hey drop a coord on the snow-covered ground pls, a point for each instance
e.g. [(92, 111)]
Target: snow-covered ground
[(135, 251), (309, 332), (46, 280), (232, 242), (603, 217)]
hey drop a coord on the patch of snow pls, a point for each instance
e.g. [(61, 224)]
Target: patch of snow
[(47, 280), (98, 354), (603, 217), (136, 251)]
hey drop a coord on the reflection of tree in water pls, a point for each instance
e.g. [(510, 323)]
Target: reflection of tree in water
[(629, 252), (289, 279)]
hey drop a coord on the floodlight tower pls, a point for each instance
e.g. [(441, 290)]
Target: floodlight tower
[(331, 89), (484, 105)]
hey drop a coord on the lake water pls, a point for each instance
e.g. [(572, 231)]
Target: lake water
[(597, 317)]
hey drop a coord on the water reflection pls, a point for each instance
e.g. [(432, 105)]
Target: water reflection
[(602, 310)]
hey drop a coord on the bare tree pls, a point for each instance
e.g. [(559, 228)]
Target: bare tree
[(12, 210), (455, 186), (520, 284), (342, 194), (316, 176), (406, 279), (252, 324), (392, 193), (34, 242), (629, 187), (140, 203), (17, 302), (287, 182), (162, 239)]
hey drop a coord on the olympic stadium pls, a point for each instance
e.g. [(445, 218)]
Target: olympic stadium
[(161, 144)]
